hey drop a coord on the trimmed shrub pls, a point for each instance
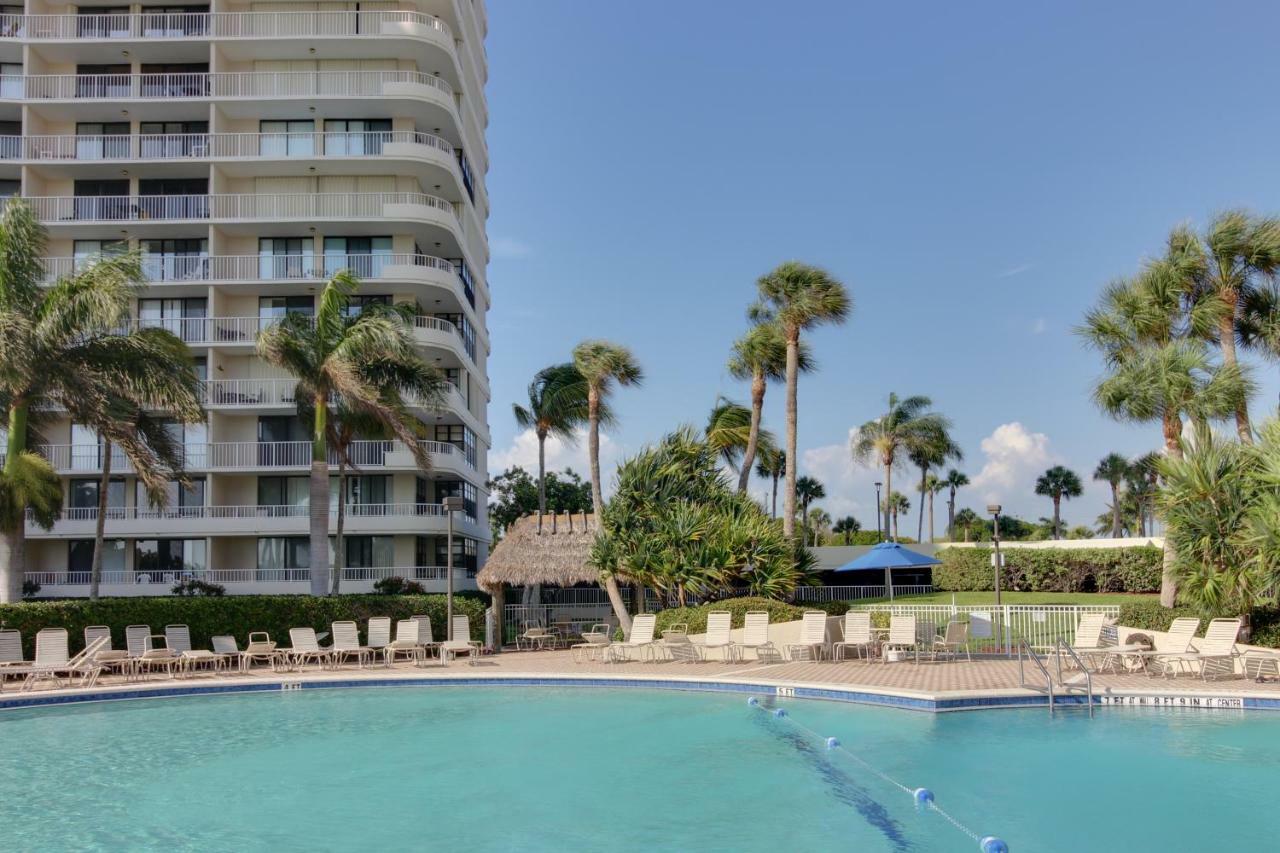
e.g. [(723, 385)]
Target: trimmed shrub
[(236, 615), (396, 585), (1135, 569), (696, 617)]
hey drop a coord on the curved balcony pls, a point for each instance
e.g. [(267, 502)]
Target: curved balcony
[(205, 25), (62, 583)]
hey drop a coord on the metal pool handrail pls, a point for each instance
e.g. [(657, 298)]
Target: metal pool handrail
[(1022, 680)]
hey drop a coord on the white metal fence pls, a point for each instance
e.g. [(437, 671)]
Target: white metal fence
[(854, 593), (997, 629)]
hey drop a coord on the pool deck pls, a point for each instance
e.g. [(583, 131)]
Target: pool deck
[(929, 686)]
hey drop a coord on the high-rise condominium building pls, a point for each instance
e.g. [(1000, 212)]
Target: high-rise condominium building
[(250, 150)]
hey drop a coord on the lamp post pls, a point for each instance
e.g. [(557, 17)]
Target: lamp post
[(879, 527), (994, 509), (451, 504)]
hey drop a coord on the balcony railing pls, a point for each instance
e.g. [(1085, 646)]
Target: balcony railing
[(232, 455), (248, 511), (241, 576), (293, 206), (260, 393), (195, 146), (309, 267), (224, 84), (150, 25)]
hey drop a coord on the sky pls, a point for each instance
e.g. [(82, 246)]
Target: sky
[(975, 174)]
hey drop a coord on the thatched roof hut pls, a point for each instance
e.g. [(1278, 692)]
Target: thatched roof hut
[(553, 550)]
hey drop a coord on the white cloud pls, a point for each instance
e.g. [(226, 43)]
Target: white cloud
[(1038, 326), (523, 452), (850, 487), (509, 248), (1012, 271), (1015, 457)]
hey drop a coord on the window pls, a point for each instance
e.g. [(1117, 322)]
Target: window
[(10, 132), (97, 140), (103, 81), (101, 199), (167, 139), (355, 137), (174, 21), (179, 501), (359, 301), (84, 496), (275, 429), (290, 138), (369, 491), (465, 553), (457, 377), (80, 559), (174, 198), (175, 80), (364, 256), (468, 285), (367, 552), (86, 448), (10, 189), (272, 308), (194, 439), (175, 260), (468, 180), (456, 489), (284, 491), (285, 257), (183, 317), (102, 22), (11, 80), (465, 330), (283, 558), (169, 556), (460, 437)]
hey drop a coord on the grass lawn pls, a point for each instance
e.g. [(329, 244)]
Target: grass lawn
[(972, 598)]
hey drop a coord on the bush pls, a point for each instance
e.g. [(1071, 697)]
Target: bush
[(234, 614), (696, 617), (195, 586), (1264, 622), (30, 588), (1135, 569), (398, 586)]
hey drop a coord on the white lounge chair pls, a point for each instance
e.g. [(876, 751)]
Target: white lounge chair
[(178, 638), (902, 637), (425, 638), (857, 635), (534, 636), (461, 642), (52, 662), (158, 656), (953, 642), (346, 645), (755, 636), (1216, 653), (11, 648), (304, 647), (813, 637), (640, 640), (262, 649), (137, 639), (379, 633), (718, 636), (406, 643), (595, 644), (110, 658)]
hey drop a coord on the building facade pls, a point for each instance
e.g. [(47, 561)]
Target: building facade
[(250, 150)]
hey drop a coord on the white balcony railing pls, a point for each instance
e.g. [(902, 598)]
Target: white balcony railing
[(146, 577), (242, 206), (199, 25), (308, 267), (231, 455), (249, 511), (225, 84), (198, 146)]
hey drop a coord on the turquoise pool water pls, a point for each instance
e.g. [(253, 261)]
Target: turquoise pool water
[(487, 769)]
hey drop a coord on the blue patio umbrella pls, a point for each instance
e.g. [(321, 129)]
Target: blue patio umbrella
[(889, 556)]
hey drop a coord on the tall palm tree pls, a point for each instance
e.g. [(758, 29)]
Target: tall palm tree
[(733, 431), (602, 364), (798, 297), (1141, 485), (1112, 470), (931, 449), (808, 490), (772, 465), (341, 353), (1241, 251), (846, 527), (933, 484), (1260, 322), (818, 519), (895, 504), (903, 430), (954, 481), (760, 355), (966, 519), (557, 407), (60, 346), (1058, 483)]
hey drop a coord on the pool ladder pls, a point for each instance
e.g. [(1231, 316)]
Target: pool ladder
[(1061, 648)]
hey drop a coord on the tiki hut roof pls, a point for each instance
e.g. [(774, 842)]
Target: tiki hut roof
[(554, 550)]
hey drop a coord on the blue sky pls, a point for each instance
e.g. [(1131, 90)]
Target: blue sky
[(975, 173)]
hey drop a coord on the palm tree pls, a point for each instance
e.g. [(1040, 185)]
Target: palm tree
[(1240, 252), (905, 429), (733, 430), (557, 407), (1141, 485), (933, 484), (954, 481), (931, 449), (846, 527), (1058, 483), (966, 519), (798, 297), (1260, 321), (59, 346), (760, 355), (601, 364), (772, 465), (1113, 469), (808, 490), (348, 355), (896, 504), (818, 519)]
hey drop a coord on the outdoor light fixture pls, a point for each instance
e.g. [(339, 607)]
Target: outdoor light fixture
[(451, 504), (879, 528), (997, 562)]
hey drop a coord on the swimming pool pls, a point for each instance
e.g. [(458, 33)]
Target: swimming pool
[(488, 769)]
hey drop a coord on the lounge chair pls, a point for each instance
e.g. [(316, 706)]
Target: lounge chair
[(346, 645), (1216, 653), (11, 648), (813, 637), (534, 636), (53, 663), (639, 641), (675, 645), (110, 658), (137, 639), (595, 643), (718, 636), (857, 635), (1177, 641), (425, 637), (379, 633), (953, 642), (755, 636), (304, 647), (158, 655), (406, 643), (461, 642), (262, 649), (178, 638), (902, 637)]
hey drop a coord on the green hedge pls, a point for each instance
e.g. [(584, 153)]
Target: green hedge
[(779, 611), (1135, 569), (1264, 623), (234, 614)]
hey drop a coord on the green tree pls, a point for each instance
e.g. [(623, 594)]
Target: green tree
[(955, 480), (351, 356), (557, 407), (895, 504), (733, 430), (932, 486), (846, 527), (1058, 483), (818, 521), (604, 364), (808, 490), (905, 430), (1260, 321), (932, 448), (760, 356), (513, 494), (772, 465), (966, 519), (60, 346), (798, 297), (1113, 470)]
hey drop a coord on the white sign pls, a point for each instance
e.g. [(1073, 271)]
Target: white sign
[(993, 559), (980, 623), (1175, 701)]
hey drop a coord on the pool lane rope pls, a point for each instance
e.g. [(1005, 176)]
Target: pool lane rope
[(922, 797)]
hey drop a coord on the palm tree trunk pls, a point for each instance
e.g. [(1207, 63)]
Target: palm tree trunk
[(1115, 511), (1172, 428), (13, 536), (753, 438), (100, 527), (319, 508), (888, 490), (608, 581), (789, 490), (1057, 509), (339, 554), (931, 538), (1227, 342), (924, 475), (951, 515), (895, 523), (773, 512), (542, 476)]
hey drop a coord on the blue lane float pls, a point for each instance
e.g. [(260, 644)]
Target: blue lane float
[(832, 743), (991, 844), (923, 796)]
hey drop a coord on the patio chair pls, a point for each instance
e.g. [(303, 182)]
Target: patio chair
[(425, 638), (857, 635), (755, 636), (262, 649), (813, 637), (953, 642), (11, 648), (1215, 653), (639, 641), (718, 636), (111, 659), (304, 648), (83, 665), (902, 637), (346, 645), (461, 642), (1177, 641), (379, 633), (52, 655), (595, 643), (137, 639), (406, 643), (178, 638), (158, 656), (533, 636)]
